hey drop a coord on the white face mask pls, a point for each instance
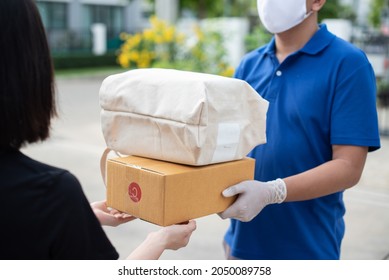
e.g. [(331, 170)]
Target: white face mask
[(280, 15)]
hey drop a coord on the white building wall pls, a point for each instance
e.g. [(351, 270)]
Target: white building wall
[(167, 10), (133, 18), (74, 15)]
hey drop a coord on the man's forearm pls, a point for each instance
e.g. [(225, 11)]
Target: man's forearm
[(343, 172)]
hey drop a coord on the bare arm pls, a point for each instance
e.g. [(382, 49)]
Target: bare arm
[(172, 237), (342, 172)]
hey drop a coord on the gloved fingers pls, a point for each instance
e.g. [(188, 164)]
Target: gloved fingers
[(238, 210), (234, 190), (228, 213)]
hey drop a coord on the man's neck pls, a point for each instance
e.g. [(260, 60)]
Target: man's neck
[(294, 39)]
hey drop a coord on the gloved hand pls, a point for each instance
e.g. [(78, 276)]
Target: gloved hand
[(253, 197)]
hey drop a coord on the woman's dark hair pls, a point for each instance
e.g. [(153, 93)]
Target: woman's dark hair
[(27, 97)]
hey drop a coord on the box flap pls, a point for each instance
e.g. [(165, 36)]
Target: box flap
[(163, 167), (151, 165)]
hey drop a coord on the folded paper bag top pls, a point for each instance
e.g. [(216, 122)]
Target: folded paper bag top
[(181, 116)]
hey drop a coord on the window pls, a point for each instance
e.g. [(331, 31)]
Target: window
[(111, 16), (54, 15)]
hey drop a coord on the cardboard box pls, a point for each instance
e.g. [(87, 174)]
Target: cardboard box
[(166, 193)]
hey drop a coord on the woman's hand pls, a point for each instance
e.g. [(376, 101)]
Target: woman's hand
[(175, 237), (108, 216), (172, 237)]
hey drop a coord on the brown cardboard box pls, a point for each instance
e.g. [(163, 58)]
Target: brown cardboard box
[(166, 193)]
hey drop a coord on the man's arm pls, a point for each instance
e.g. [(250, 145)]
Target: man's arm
[(338, 174), (342, 172)]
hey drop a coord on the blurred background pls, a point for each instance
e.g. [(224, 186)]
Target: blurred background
[(85, 28), (197, 35)]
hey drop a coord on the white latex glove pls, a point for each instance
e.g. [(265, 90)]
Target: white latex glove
[(253, 197)]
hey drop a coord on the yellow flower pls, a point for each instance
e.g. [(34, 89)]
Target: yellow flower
[(124, 36), (134, 40), (145, 59), (133, 55), (145, 54), (148, 34), (228, 72), (154, 20), (125, 47), (168, 34), (143, 64), (123, 60), (158, 39), (157, 24), (163, 44), (199, 33), (180, 38)]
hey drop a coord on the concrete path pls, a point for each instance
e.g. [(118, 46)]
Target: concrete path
[(77, 143)]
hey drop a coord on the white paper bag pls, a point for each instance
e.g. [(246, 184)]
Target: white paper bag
[(180, 116)]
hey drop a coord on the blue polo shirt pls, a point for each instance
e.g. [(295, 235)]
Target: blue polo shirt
[(322, 95)]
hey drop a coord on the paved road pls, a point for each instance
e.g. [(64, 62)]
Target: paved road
[(77, 143)]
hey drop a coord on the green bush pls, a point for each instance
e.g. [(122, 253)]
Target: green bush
[(383, 93), (257, 38)]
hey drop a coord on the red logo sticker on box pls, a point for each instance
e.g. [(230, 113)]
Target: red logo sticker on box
[(134, 192)]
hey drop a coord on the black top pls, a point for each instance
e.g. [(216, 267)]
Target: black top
[(45, 214)]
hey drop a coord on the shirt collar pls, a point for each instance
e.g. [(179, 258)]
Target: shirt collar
[(271, 47), (320, 40)]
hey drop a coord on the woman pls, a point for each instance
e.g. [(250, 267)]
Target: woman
[(47, 215)]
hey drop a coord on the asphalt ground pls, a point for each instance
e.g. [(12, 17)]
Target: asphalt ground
[(76, 144)]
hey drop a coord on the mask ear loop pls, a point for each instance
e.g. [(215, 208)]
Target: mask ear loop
[(308, 14)]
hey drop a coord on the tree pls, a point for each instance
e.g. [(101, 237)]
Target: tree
[(334, 9), (202, 8), (243, 8), (217, 8), (375, 12)]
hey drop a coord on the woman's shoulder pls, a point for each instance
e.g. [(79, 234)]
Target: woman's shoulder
[(24, 171)]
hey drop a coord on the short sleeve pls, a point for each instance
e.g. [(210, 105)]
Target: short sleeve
[(354, 118), (76, 234)]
